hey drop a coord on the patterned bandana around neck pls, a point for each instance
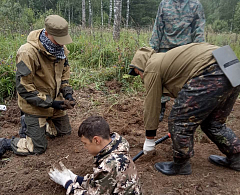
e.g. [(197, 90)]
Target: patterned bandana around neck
[(56, 50)]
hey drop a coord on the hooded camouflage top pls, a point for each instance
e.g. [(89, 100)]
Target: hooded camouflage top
[(178, 22), (114, 172), (166, 73)]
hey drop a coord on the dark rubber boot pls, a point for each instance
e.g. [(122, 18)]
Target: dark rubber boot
[(163, 105), (2, 149), (174, 168), (23, 129), (5, 144), (232, 162)]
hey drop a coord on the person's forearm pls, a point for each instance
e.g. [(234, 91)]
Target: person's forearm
[(71, 183)]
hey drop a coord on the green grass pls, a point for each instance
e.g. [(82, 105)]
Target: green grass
[(94, 57), (8, 49)]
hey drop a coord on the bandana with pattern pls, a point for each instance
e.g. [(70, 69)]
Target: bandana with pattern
[(56, 50)]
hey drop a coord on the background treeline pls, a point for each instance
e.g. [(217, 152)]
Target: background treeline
[(16, 15)]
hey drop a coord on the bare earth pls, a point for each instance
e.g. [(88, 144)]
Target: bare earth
[(28, 175)]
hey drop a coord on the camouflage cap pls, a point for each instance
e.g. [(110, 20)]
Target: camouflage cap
[(58, 27)]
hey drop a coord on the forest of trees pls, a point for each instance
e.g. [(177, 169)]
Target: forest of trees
[(221, 15)]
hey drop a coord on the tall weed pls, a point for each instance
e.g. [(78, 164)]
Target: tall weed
[(9, 46), (94, 57)]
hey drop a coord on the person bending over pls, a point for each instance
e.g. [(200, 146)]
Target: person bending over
[(205, 89)]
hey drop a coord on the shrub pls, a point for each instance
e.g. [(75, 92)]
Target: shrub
[(7, 79)]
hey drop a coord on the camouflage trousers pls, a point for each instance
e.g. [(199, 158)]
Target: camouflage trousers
[(165, 99), (205, 100), (35, 141)]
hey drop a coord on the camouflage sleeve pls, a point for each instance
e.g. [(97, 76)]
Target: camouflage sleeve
[(76, 189), (157, 32), (65, 87), (198, 25), (24, 81), (102, 181)]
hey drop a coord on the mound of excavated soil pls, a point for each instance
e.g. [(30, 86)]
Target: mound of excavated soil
[(28, 175)]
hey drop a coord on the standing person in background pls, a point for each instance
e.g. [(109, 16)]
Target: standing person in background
[(43, 90), (178, 22)]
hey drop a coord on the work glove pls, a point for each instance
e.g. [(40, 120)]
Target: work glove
[(149, 145), (59, 105), (60, 176), (71, 100), (69, 104), (71, 174), (69, 97)]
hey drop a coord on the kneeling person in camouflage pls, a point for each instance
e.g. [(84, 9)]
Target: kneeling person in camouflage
[(43, 90), (114, 172)]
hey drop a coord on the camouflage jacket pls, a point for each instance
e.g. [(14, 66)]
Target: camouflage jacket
[(178, 22), (114, 172)]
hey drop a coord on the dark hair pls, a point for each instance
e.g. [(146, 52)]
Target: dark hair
[(94, 126)]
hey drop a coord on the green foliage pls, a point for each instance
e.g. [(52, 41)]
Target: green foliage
[(22, 14), (39, 22), (237, 19), (9, 46), (220, 26), (225, 39), (96, 58), (25, 15), (7, 78), (148, 12), (221, 11), (14, 17)]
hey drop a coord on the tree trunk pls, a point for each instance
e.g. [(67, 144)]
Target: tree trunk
[(45, 6), (117, 19), (83, 14), (58, 8), (90, 14), (127, 15), (233, 14), (72, 14), (120, 12), (69, 13), (65, 11), (110, 14), (102, 12)]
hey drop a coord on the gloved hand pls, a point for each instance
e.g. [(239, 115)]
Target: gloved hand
[(59, 176), (72, 101), (69, 104), (69, 97), (70, 173), (59, 105), (149, 145)]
